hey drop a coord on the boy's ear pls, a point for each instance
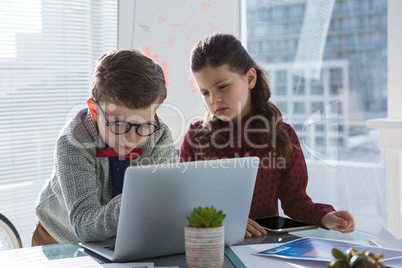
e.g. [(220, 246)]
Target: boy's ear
[(93, 109), (251, 78)]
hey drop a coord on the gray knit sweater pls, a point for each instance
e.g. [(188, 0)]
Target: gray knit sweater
[(76, 203)]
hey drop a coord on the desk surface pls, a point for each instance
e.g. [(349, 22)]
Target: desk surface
[(73, 250)]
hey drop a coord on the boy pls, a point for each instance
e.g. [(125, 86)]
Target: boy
[(81, 200)]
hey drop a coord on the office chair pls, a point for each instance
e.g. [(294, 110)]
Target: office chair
[(9, 237)]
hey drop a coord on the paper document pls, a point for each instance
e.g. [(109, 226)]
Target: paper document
[(86, 262), (79, 262), (129, 265), (134, 265), (246, 254), (385, 239), (319, 249)]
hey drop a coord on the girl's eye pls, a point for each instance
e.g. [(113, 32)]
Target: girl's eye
[(204, 93), (222, 86)]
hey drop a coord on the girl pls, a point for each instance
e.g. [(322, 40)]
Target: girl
[(241, 121)]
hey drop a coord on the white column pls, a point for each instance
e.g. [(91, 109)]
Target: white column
[(390, 128), (394, 58), (390, 140)]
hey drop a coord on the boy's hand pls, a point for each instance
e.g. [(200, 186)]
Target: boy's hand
[(254, 228), (341, 221)]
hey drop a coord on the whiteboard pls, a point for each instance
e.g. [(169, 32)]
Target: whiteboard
[(166, 31)]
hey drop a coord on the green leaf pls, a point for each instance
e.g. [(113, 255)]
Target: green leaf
[(206, 217), (208, 214)]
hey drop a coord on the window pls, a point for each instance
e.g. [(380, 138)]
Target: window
[(260, 31), (319, 128), (300, 107), (296, 11), (316, 106), (283, 106), (298, 84), (280, 80), (280, 90), (317, 88), (47, 55), (332, 96), (281, 77)]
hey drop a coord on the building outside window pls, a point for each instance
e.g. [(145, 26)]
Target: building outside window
[(335, 82)]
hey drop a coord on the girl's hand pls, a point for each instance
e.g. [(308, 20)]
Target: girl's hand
[(254, 228), (341, 221)]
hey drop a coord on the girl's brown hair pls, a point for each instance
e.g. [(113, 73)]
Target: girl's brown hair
[(129, 78), (225, 49)]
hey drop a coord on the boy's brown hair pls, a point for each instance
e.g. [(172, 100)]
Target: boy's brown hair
[(129, 78)]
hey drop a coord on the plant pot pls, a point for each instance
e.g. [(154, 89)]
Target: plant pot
[(204, 246)]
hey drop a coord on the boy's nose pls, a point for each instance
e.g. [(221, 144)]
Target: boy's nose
[(132, 136)]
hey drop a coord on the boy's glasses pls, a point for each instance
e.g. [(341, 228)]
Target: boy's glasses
[(120, 128)]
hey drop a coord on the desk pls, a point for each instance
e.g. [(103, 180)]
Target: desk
[(73, 250)]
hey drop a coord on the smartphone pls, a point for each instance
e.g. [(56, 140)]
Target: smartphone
[(279, 224)]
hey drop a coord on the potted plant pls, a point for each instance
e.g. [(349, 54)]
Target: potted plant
[(204, 238)]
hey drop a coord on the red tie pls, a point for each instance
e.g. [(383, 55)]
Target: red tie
[(108, 152)]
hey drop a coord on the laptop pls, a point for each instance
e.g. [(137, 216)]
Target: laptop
[(157, 199)]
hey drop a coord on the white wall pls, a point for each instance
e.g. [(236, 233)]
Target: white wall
[(394, 58)]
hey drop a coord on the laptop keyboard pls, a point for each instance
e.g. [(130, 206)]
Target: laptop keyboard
[(111, 248)]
